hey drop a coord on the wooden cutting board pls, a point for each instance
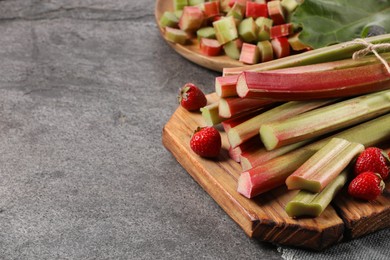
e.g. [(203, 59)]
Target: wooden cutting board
[(264, 217)]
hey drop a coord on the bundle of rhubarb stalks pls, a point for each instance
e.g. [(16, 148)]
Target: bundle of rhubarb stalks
[(302, 120)]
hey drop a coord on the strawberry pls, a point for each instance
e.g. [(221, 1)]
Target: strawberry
[(366, 186), (191, 97), (206, 142), (373, 159)]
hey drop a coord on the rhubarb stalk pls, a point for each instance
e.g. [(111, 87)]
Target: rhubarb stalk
[(324, 120)]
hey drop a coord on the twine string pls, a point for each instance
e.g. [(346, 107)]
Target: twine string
[(369, 47)]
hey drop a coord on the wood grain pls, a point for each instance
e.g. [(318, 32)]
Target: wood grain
[(191, 50), (264, 217)]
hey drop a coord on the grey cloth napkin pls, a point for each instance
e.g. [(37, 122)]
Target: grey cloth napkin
[(375, 246)]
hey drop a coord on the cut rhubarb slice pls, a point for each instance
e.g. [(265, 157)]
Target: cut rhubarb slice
[(274, 173), (250, 54), (247, 30), (325, 165), (191, 19), (247, 147), (256, 10), (211, 9), (179, 4), (266, 51), (325, 120), (308, 204), (169, 19), (210, 47), (281, 30), (233, 48), (176, 35), (276, 13), (281, 47), (205, 32), (225, 30)]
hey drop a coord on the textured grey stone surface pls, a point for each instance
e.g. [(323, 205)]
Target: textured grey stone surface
[(85, 90)]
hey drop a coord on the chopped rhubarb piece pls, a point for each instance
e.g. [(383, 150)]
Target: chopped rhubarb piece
[(195, 2), (240, 2), (325, 165), (169, 19), (233, 48), (264, 25), (211, 9), (206, 32), (237, 11), (266, 51), (308, 204), (274, 173), (191, 19), (226, 86), (179, 4), (275, 12), (324, 120), (289, 6), (256, 10), (260, 155), (314, 84), (250, 128), (210, 47), (225, 30), (224, 4), (248, 30), (210, 114), (176, 35), (250, 54), (296, 44), (229, 107), (281, 47), (281, 30)]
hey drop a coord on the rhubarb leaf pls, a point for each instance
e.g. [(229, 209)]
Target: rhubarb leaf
[(325, 22)]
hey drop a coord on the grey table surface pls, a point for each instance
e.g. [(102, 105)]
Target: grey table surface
[(86, 87)]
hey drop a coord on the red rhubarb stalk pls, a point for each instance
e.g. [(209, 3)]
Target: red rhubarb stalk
[(229, 107), (313, 85)]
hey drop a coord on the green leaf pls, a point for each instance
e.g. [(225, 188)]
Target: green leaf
[(326, 22)]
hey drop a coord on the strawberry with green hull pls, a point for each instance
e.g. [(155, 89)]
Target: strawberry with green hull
[(274, 173), (366, 186), (313, 85), (191, 97), (206, 142), (373, 159)]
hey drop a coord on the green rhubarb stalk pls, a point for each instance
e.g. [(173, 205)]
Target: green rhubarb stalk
[(225, 30), (325, 165), (330, 53), (324, 120), (274, 173), (250, 128), (169, 19), (308, 204), (210, 114)]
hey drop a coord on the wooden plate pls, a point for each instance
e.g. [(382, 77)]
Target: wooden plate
[(264, 217), (192, 51)]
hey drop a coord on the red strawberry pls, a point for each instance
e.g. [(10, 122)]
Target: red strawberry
[(366, 186), (206, 142), (373, 159), (191, 97)]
